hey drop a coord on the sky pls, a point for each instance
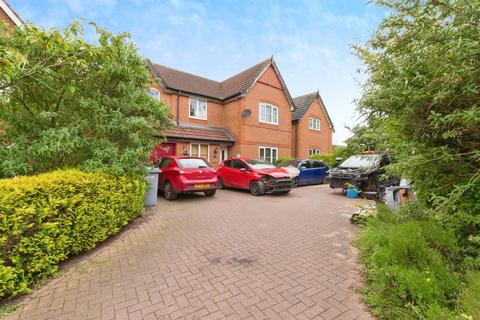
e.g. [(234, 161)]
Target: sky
[(309, 40)]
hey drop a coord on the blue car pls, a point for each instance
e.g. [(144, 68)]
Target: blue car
[(311, 171)]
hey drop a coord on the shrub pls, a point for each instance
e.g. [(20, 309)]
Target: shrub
[(469, 301), (410, 268), (46, 218), (329, 159), (66, 102), (282, 160)]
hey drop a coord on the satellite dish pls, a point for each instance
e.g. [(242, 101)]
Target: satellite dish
[(246, 113)]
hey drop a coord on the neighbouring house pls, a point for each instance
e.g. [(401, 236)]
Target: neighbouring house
[(246, 115), (8, 15), (312, 127)]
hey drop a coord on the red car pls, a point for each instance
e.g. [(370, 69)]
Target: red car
[(183, 174), (258, 176)]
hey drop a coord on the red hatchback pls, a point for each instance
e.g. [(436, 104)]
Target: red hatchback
[(181, 174), (258, 176)]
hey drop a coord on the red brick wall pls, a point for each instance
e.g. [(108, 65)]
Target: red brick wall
[(254, 133), (6, 19), (214, 109), (307, 138), (249, 132)]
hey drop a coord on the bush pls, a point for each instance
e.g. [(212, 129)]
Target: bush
[(46, 218), (329, 159), (283, 160), (469, 301), (410, 268), (66, 102)]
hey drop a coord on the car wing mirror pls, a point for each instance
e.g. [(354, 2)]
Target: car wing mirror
[(243, 170), (303, 168)]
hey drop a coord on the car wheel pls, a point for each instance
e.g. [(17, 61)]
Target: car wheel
[(169, 193), (210, 193), (257, 188), (295, 182), (220, 183), (324, 180)]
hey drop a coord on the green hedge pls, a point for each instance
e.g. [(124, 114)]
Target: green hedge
[(46, 218)]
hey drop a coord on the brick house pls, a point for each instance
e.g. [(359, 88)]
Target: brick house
[(248, 114), (8, 15), (312, 127)]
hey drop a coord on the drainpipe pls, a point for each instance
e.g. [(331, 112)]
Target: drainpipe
[(178, 107)]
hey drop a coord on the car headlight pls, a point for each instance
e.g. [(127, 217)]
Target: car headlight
[(266, 178)]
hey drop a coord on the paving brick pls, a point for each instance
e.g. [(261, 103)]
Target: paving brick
[(233, 256)]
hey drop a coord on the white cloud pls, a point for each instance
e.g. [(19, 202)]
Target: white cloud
[(309, 39)]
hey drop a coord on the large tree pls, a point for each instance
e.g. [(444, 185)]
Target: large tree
[(423, 70), (66, 102)]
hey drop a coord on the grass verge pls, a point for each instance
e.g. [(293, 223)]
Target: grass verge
[(414, 270)]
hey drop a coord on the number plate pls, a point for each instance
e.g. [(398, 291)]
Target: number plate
[(201, 186)]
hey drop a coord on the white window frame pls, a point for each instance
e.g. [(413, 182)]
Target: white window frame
[(314, 124), (265, 106), (312, 152), (264, 152), (200, 144), (197, 108), (151, 90)]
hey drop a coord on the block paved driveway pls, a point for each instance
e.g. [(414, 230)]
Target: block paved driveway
[(234, 256)]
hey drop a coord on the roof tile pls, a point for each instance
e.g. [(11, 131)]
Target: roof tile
[(199, 132), (187, 82)]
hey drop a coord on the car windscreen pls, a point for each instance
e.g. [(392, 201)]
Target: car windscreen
[(260, 164), (364, 161), (291, 163), (194, 163)]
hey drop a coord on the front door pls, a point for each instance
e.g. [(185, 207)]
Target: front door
[(223, 154), (163, 150)]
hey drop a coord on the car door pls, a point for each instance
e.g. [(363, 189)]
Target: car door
[(319, 171), (225, 172), (241, 174), (164, 171), (306, 172)]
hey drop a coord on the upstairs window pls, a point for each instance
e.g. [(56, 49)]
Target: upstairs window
[(268, 113), (312, 152), (198, 109), (314, 124), (154, 93)]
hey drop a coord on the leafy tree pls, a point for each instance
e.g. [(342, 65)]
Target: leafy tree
[(70, 103), (423, 87), (365, 137)]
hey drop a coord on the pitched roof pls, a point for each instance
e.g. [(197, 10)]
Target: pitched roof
[(242, 81), (186, 82), (199, 132), (229, 88), (302, 103)]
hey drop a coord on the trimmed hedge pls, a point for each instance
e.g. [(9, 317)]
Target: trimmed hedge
[(46, 218)]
